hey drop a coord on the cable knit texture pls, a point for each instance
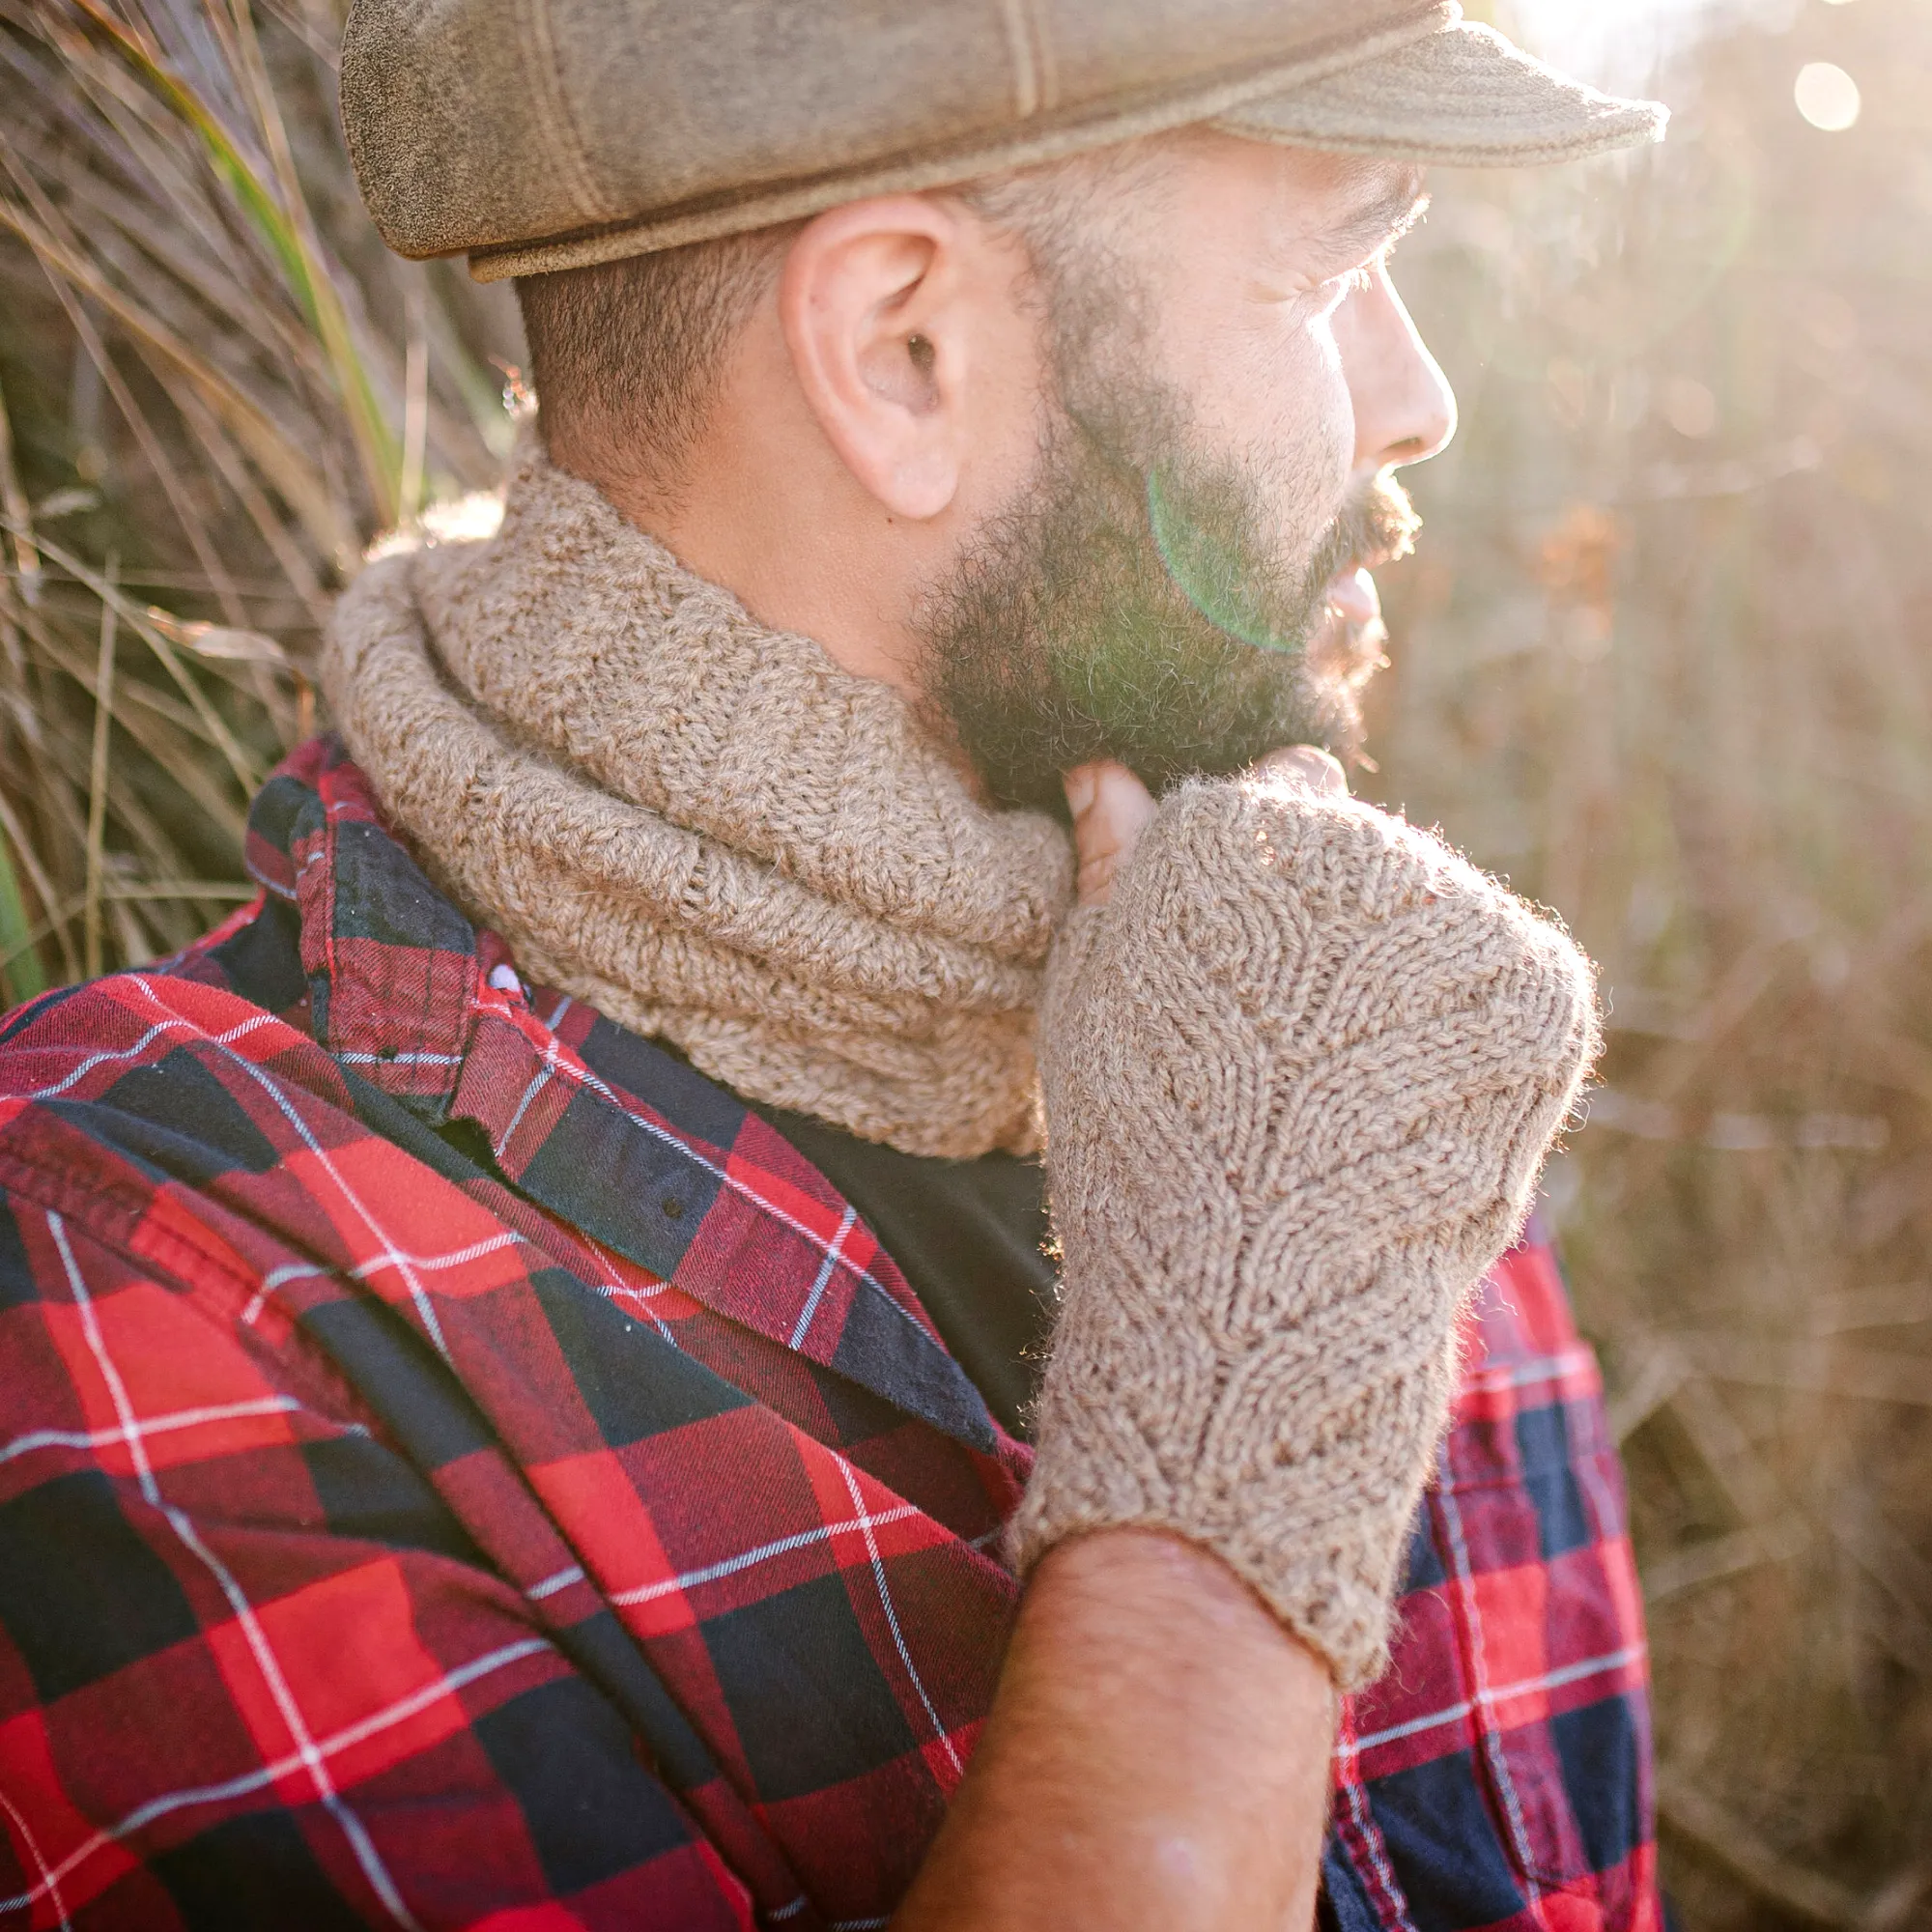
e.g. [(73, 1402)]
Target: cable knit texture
[(702, 826), (1300, 1077)]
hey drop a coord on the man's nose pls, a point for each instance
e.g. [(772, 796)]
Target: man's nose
[(1405, 409)]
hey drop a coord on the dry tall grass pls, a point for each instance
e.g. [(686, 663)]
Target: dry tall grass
[(215, 387), (1666, 658), (1663, 660)]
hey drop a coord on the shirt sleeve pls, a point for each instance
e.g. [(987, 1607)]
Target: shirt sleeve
[(252, 1670)]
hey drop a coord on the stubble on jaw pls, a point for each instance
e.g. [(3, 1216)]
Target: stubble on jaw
[(1128, 605), (1134, 600)]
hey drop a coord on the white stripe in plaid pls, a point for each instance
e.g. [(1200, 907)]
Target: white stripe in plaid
[(160, 1425), (266, 1660)]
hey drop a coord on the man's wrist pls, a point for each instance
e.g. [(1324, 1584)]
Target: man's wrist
[(1157, 1756)]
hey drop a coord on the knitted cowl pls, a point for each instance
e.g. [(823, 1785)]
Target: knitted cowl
[(702, 826)]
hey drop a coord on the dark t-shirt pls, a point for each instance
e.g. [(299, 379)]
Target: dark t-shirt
[(969, 1236)]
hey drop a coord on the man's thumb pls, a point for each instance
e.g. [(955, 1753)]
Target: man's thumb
[(1111, 808)]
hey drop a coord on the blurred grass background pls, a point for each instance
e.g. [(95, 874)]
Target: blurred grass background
[(1665, 660)]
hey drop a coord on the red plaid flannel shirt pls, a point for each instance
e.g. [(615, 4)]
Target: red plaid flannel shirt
[(458, 1467)]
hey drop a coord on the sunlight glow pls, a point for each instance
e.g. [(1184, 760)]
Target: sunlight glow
[(1828, 96)]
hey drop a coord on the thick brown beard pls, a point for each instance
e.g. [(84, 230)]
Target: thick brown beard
[(1067, 631)]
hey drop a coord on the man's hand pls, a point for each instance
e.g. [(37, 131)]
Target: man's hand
[(1156, 1759), (1301, 1065), (1111, 808)]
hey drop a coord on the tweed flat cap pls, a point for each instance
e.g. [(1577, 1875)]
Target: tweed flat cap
[(541, 134)]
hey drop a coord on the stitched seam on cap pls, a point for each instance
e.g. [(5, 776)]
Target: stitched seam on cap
[(1049, 63), (1410, 30), (1016, 15), (724, 213), (554, 112)]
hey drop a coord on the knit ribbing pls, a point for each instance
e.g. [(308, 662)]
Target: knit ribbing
[(1300, 1077), (702, 826)]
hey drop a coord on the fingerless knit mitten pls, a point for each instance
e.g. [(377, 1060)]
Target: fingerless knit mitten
[(1300, 1077)]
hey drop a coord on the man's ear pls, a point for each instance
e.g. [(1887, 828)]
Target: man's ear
[(874, 309)]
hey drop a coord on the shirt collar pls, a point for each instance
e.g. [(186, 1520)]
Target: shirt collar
[(407, 993)]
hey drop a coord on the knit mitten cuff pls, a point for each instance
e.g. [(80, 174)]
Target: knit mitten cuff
[(1300, 1077)]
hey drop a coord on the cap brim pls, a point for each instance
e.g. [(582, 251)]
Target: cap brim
[(1463, 96)]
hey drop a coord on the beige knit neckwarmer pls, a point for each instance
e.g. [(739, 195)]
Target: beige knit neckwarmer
[(702, 827)]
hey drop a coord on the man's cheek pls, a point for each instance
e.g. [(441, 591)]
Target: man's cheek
[(1328, 413), (1304, 446), (1306, 487)]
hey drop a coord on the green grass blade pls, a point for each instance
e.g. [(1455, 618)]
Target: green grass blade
[(309, 281), (20, 976)]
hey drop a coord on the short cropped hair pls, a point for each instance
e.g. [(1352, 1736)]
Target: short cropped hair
[(626, 355)]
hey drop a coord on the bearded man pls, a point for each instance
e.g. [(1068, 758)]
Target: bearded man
[(521, 1353)]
